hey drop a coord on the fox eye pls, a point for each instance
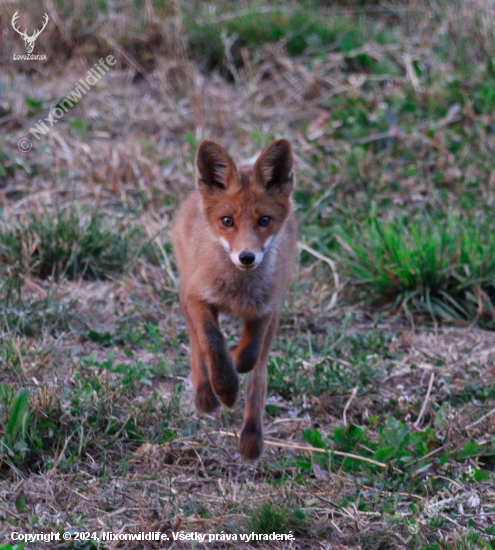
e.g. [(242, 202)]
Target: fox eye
[(264, 221), (227, 221)]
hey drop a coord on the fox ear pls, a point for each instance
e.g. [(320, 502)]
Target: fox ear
[(215, 170), (274, 169)]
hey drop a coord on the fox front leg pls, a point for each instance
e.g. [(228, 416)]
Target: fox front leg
[(222, 374), (247, 352), (205, 399)]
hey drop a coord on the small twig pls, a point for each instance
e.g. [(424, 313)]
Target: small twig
[(411, 73), (347, 405), (314, 450), (242, 13), (228, 42), (424, 458), (209, 520), (480, 419), (80, 495), (132, 62), (213, 442), (154, 237), (57, 460), (394, 132), (7, 511), (284, 421), (332, 265), (425, 402)]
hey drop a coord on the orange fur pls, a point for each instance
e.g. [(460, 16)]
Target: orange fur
[(215, 278)]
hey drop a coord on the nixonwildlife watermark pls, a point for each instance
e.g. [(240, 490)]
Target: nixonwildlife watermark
[(29, 41), (436, 504), (42, 127)]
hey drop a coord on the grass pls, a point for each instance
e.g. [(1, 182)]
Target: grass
[(98, 412), (14, 424), (268, 519), (65, 244), (332, 367), (218, 41), (390, 112), (23, 313), (440, 266)]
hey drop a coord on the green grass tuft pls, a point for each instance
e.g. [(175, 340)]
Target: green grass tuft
[(14, 422), (69, 244), (299, 29), (273, 518), (23, 314), (443, 267)]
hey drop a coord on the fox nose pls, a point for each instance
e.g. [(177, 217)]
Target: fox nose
[(247, 258)]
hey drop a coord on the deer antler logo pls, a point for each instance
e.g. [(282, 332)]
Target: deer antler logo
[(29, 40)]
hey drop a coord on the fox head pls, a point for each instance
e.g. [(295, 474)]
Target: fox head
[(245, 210)]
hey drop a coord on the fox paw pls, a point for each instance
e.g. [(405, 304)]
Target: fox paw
[(244, 359), (251, 443), (205, 399), (225, 384)]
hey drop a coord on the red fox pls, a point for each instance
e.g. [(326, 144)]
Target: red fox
[(235, 241)]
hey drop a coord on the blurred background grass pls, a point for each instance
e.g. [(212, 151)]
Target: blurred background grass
[(390, 103)]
